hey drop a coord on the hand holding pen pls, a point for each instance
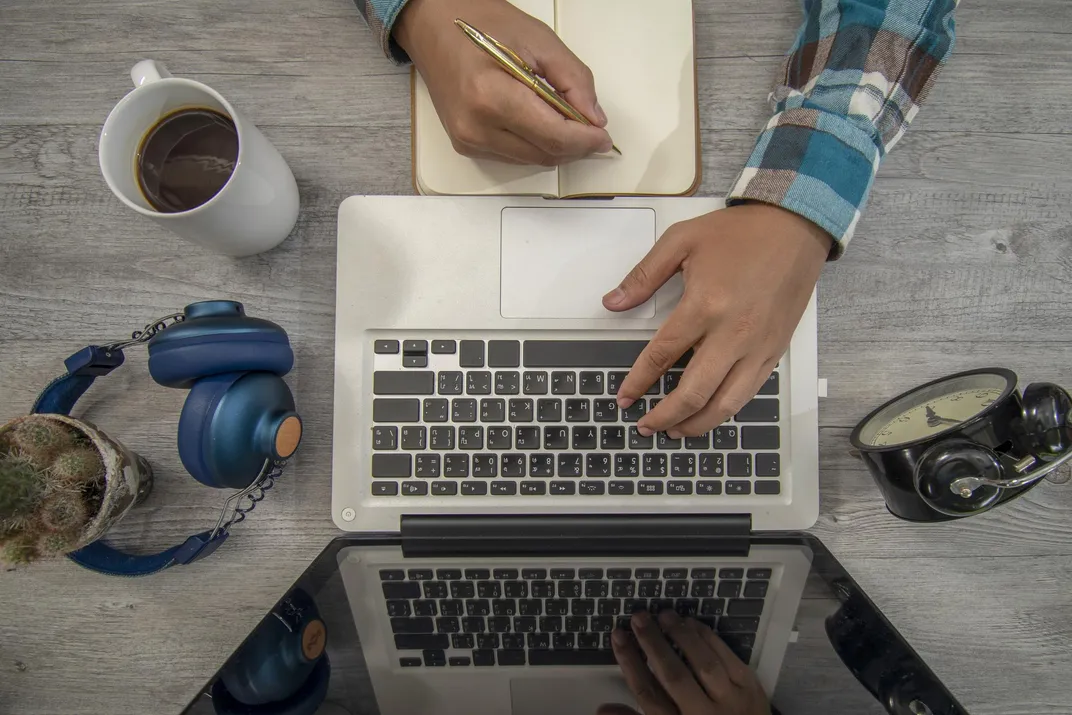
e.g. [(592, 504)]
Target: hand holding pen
[(488, 112)]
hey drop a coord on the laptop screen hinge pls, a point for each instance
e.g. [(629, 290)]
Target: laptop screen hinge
[(565, 534)]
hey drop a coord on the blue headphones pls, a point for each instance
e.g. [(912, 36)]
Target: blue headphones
[(238, 424)]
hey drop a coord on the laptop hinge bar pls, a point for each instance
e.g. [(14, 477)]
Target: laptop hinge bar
[(565, 534)]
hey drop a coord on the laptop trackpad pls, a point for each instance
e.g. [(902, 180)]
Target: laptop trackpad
[(559, 262), (581, 694)]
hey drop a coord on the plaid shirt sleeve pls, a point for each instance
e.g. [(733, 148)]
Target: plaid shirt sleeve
[(853, 81), (380, 15)]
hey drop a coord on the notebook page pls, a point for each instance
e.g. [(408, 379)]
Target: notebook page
[(642, 56), (442, 170)]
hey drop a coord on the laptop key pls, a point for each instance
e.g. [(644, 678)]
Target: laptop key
[(650, 488), (712, 606), (760, 437), (679, 488), (577, 624), (487, 640), (760, 409), (729, 589), (398, 382), (420, 641), (483, 657), (597, 465), (587, 353), (756, 589), (385, 489), (493, 410), (711, 465), (442, 438), (456, 465), (385, 347), (588, 641), (768, 487), (639, 441), (385, 438), (635, 411), (549, 410), (570, 465), (584, 437), (563, 641), (521, 410), (463, 410), (703, 589), (462, 589), (649, 588), (605, 411), (770, 386), (563, 488), (527, 437), (428, 465), (507, 383), (538, 641), (592, 488), (622, 589), (663, 441), (726, 624), (513, 641), (655, 465), (471, 438), (612, 437), (534, 383), (671, 380), (448, 624), (745, 607), (763, 574), (556, 607), (578, 410), (471, 354), (541, 589), (503, 488), (500, 438), (410, 662), (682, 465), (434, 658), (591, 383), (738, 464), (474, 488), (533, 488), (551, 624), (738, 487), (725, 437), (449, 383), (457, 660), (391, 466), (392, 575), (512, 465), (627, 465), (542, 465), (621, 488), (414, 437), (767, 465), (387, 409), (485, 466), (556, 437), (473, 624), (563, 383), (572, 657), (699, 443), (687, 607), (478, 382), (504, 353)]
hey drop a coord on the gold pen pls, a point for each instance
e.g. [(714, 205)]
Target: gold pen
[(512, 63)]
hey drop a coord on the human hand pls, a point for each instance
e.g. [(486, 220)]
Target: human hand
[(749, 272), (715, 681), (487, 112)]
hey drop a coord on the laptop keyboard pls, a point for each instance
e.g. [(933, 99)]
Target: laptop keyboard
[(558, 616), (539, 418)]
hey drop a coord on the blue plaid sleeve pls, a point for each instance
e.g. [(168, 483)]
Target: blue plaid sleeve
[(853, 81), (380, 15)]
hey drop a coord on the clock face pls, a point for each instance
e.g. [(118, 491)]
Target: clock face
[(934, 409)]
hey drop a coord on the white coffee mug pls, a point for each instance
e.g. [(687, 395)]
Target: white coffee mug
[(254, 211)]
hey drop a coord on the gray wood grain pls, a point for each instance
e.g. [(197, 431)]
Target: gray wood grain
[(962, 259)]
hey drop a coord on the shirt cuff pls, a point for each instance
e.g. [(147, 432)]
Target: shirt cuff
[(381, 16), (815, 164)]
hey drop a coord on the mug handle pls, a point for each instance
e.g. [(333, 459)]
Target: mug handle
[(148, 71)]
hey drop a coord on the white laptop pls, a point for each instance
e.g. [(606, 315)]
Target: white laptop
[(476, 372)]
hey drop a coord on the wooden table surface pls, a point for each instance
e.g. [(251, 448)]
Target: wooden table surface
[(963, 259)]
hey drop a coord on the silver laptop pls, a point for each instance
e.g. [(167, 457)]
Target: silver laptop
[(476, 372)]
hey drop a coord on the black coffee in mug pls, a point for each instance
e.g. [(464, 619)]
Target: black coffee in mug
[(186, 158)]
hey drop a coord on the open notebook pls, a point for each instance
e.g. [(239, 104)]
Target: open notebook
[(642, 56)]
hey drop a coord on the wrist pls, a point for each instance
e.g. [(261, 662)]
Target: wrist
[(810, 233), (403, 29)]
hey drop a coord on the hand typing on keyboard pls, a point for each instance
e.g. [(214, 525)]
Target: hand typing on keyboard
[(715, 681), (749, 272)]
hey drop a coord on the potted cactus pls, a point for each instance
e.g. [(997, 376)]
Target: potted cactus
[(63, 484)]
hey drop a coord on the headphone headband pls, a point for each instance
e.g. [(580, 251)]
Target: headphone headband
[(60, 396)]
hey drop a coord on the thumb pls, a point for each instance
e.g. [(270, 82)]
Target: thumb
[(569, 76), (663, 261)]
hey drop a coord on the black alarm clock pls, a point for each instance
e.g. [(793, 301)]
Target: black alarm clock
[(962, 444)]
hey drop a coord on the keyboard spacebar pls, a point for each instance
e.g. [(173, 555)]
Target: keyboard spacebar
[(587, 353), (571, 657)]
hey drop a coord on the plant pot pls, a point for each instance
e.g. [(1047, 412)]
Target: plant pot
[(128, 478)]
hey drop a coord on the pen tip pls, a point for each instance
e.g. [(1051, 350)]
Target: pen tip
[(616, 149)]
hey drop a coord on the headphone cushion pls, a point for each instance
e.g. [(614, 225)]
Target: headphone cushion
[(194, 422), (181, 362), (306, 700)]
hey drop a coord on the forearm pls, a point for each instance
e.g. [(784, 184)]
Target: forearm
[(851, 85), (380, 15)]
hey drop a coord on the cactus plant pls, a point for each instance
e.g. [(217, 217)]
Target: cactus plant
[(51, 483)]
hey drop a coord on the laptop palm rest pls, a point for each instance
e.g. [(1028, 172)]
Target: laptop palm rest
[(581, 694), (558, 262)]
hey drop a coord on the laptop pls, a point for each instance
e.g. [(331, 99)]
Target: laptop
[(476, 372), (487, 615)]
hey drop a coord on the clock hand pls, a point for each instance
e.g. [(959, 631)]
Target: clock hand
[(933, 420)]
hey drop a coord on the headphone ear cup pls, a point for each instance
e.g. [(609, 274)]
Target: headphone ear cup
[(1046, 412), (232, 423), (944, 463), (180, 363), (306, 700)]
